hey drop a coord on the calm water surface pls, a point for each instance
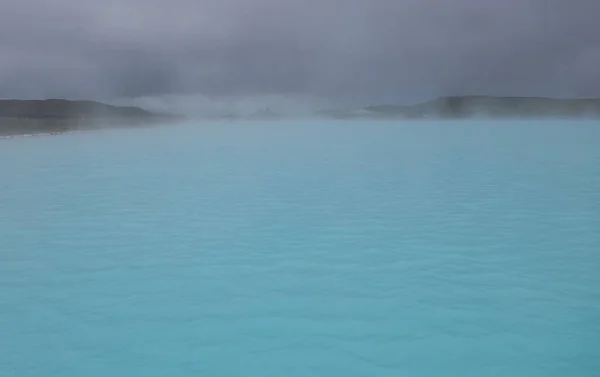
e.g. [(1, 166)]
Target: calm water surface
[(317, 249)]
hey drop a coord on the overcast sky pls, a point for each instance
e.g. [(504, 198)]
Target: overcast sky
[(355, 51)]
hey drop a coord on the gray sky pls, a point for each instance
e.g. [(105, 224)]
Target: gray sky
[(350, 51)]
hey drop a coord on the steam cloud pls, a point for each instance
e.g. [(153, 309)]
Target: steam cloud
[(335, 51)]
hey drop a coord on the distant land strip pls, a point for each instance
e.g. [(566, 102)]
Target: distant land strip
[(52, 116), (477, 106)]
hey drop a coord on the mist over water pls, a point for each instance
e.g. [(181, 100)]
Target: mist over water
[(354, 52), (132, 245), (302, 248)]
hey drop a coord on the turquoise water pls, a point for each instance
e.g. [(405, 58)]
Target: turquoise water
[(331, 249)]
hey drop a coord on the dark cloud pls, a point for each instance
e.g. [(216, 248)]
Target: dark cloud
[(348, 50)]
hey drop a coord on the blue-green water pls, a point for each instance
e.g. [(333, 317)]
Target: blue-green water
[(331, 249)]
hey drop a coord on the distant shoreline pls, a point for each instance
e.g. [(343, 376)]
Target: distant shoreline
[(482, 107), (26, 118), (14, 136), (57, 116)]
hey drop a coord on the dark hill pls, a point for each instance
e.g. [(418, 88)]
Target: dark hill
[(480, 106), (58, 115)]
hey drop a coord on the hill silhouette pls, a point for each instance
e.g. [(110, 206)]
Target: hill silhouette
[(478, 106), (59, 115)]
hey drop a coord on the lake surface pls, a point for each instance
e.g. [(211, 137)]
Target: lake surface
[(303, 249)]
